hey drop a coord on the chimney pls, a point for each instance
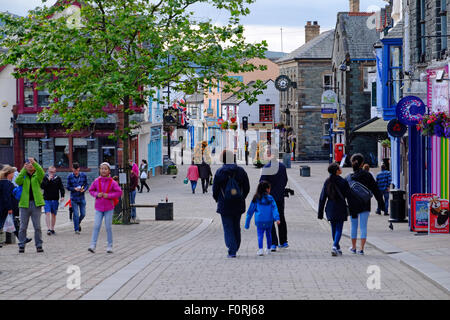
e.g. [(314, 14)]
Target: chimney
[(312, 30), (354, 5)]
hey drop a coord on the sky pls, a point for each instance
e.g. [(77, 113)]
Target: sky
[(279, 22)]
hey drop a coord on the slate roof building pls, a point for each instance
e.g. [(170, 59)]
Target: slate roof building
[(309, 67)]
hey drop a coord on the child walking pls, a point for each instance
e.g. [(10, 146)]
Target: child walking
[(106, 192), (265, 209)]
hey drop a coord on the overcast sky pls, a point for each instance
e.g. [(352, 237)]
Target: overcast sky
[(265, 21)]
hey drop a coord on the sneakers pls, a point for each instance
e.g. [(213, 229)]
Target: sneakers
[(352, 250), (334, 252), (52, 231), (77, 232), (284, 245), (49, 232), (231, 256), (21, 250), (39, 249), (260, 252), (339, 252), (109, 250), (361, 252), (266, 251), (91, 250), (28, 240), (273, 248)]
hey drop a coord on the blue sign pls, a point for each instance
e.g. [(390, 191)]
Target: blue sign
[(410, 110), (328, 110)]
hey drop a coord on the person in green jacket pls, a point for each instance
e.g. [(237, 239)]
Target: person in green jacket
[(31, 202)]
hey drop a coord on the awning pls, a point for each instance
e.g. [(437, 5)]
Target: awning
[(374, 125)]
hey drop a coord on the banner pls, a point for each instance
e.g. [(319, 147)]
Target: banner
[(420, 203)]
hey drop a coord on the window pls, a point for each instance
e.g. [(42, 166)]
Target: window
[(395, 67), (210, 111), (218, 108), (28, 92), (374, 94), (43, 96), (80, 152), (327, 82), (265, 113), (367, 87), (62, 152), (421, 39), (441, 27), (33, 149)]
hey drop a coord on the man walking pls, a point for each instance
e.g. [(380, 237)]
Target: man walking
[(384, 180), (204, 171), (31, 202), (230, 188), (275, 173), (53, 187), (77, 184)]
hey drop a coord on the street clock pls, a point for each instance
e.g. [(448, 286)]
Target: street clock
[(282, 83)]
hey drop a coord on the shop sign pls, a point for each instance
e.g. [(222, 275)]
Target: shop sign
[(410, 110), (438, 218), (438, 95), (420, 203)]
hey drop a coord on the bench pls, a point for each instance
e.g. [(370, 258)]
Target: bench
[(163, 210)]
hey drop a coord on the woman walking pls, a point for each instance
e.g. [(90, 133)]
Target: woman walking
[(335, 191), (265, 209), (193, 176), (143, 175), (6, 195), (106, 192), (360, 208)]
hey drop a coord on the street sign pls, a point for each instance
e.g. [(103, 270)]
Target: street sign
[(396, 128), (341, 124), (329, 116), (328, 110), (329, 99)]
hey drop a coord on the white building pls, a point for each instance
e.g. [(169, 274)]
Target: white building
[(7, 100)]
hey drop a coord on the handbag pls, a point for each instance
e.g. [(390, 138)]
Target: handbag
[(17, 192), (114, 200), (346, 204), (211, 181), (144, 175), (9, 224), (186, 180)]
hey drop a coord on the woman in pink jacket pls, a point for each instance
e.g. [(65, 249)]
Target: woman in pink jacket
[(106, 192), (193, 176)]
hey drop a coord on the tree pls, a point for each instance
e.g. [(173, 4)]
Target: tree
[(117, 52)]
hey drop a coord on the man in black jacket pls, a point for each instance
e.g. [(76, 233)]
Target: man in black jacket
[(230, 210), (204, 172), (275, 173), (53, 187)]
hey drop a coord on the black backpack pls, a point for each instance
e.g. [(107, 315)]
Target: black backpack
[(232, 191)]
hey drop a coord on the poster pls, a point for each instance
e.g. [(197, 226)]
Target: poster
[(439, 216), (420, 211)]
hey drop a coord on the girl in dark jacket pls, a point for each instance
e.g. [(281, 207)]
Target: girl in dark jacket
[(334, 192), (360, 210)]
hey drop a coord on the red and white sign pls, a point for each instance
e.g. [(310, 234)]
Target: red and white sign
[(439, 216), (220, 121)]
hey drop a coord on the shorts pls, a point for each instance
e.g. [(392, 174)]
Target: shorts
[(51, 206)]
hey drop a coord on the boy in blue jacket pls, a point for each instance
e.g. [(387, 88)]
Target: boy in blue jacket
[(265, 209)]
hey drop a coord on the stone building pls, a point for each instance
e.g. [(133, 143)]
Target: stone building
[(309, 67), (353, 59)]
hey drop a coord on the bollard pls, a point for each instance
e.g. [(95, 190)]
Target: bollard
[(305, 171), (164, 211)]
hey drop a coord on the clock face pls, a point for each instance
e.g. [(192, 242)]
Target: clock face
[(282, 83)]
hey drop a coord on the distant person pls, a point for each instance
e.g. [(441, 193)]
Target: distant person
[(366, 167), (274, 172), (265, 209), (384, 180), (143, 175), (360, 209), (333, 197), (106, 192), (204, 171), (31, 202), (193, 175), (134, 184), (77, 184), (53, 188), (230, 188)]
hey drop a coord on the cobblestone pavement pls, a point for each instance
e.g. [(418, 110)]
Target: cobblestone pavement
[(197, 267)]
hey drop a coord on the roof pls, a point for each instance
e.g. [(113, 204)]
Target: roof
[(196, 97), (373, 125), (320, 47), (234, 98), (357, 36), (395, 32)]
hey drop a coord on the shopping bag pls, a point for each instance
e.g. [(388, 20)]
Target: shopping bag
[(186, 180), (9, 224)]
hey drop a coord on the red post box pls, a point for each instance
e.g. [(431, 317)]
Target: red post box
[(338, 152)]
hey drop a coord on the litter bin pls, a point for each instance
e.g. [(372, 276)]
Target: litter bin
[(287, 160), (397, 206), (164, 211), (305, 171)]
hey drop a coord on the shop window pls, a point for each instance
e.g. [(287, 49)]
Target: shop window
[(61, 152), (80, 152)]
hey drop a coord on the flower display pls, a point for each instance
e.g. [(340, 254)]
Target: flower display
[(436, 123)]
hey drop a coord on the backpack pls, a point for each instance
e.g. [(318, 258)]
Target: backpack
[(358, 190), (114, 200), (17, 192), (232, 190)]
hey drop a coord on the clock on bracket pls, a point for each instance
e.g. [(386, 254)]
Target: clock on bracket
[(282, 83)]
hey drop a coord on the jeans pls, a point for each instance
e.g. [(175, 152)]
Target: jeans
[(261, 232), (133, 201), (193, 185), (144, 183), (386, 203), (79, 212), (34, 213), (98, 224), (282, 228), (363, 218), (232, 232), (205, 183), (336, 232)]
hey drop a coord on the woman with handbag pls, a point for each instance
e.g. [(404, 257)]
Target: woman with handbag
[(193, 176), (106, 192), (143, 175), (335, 191)]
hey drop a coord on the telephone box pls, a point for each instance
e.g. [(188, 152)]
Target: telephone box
[(338, 152)]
